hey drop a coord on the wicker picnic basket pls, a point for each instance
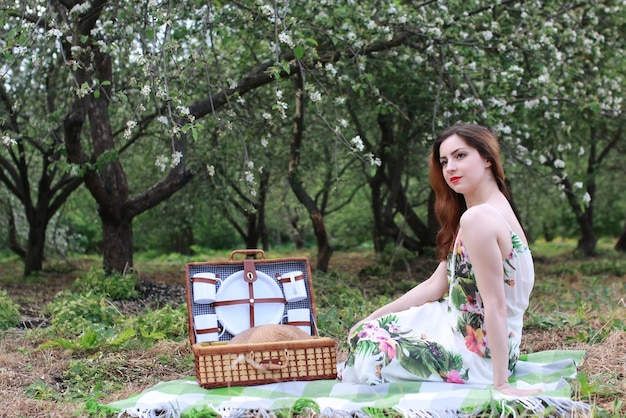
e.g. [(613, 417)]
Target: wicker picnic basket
[(225, 298)]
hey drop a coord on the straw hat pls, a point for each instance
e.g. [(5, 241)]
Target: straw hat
[(270, 333)]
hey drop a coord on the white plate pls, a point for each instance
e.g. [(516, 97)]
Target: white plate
[(236, 318)]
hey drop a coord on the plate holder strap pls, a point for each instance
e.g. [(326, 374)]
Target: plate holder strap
[(250, 276)]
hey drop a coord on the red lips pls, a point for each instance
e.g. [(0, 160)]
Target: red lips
[(455, 180)]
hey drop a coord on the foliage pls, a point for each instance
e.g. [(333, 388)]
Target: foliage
[(547, 77), (165, 323), (74, 314), (104, 354), (9, 311), (115, 286)]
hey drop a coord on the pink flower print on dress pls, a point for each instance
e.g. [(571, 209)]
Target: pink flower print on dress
[(454, 376), (475, 340), (474, 305), (388, 346), (372, 332)]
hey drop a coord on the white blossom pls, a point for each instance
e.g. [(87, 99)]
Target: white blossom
[(374, 160), (162, 162), (177, 156), (80, 8), (578, 185), (559, 163), (267, 10), (7, 141), (358, 143), (161, 92), (145, 90), (163, 119), (530, 104), (54, 33), (286, 39), (331, 69), (210, 170), (543, 79), (316, 96), (542, 159)]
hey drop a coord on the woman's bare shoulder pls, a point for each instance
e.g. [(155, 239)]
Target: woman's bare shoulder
[(479, 213)]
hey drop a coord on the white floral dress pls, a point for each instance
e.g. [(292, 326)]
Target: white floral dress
[(444, 340)]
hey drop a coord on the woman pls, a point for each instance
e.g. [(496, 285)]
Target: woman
[(463, 324)]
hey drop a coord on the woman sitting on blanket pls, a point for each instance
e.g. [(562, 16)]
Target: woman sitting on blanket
[(463, 324)]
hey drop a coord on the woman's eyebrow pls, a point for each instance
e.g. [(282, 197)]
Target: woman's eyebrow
[(456, 151)]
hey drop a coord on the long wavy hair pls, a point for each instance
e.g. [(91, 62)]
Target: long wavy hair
[(450, 205)]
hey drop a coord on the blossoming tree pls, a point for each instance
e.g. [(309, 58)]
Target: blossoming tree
[(169, 74)]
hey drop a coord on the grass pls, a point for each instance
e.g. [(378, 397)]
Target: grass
[(577, 304)]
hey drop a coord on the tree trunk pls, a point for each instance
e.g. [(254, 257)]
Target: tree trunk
[(33, 260), (324, 249), (14, 244), (389, 196), (378, 228), (252, 236), (108, 185), (587, 242), (620, 245), (261, 209), (117, 240)]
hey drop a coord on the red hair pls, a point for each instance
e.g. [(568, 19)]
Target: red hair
[(450, 205)]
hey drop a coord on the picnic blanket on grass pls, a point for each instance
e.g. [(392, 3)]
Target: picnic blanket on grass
[(550, 370)]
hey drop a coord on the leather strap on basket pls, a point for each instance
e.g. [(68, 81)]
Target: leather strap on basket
[(291, 279), (250, 276), (205, 280), (266, 365), (249, 272), (207, 330)]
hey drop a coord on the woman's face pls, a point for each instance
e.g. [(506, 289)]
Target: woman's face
[(462, 166)]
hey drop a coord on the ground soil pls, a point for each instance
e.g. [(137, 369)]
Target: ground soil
[(159, 286)]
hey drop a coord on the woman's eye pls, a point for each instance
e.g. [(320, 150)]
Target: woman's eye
[(459, 156)]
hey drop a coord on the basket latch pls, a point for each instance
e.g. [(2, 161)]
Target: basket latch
[(249, 272)]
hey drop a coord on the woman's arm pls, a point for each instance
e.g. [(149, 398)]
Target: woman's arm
[(481, 230), (432, 289)]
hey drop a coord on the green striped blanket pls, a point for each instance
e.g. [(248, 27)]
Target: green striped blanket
[(550, 370)]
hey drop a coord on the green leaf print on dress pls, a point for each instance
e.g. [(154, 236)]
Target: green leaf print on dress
[(465, 297), (417, 355)]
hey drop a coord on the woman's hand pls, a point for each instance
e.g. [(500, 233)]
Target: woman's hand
[(512, 391)]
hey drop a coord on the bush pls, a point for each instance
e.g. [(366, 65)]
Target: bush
[(166, 323), (9, 312), (72, 314), (115, 286)]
